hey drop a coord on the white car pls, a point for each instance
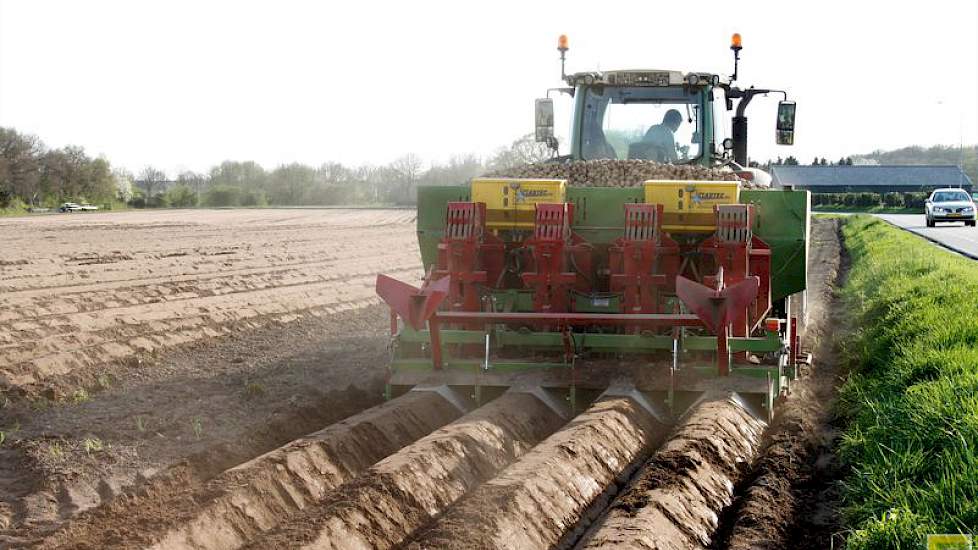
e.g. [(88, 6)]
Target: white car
[(75, 207), (949, 205)]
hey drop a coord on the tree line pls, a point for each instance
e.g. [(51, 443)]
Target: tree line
[(32, 175), (792, 161), (965, 156)]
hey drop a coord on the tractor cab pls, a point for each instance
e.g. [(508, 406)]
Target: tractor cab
[(644, 115), (659, 115)]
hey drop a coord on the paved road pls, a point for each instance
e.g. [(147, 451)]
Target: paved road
[(955, 236)]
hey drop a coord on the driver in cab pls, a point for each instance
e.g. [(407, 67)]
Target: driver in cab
[(659, 143)]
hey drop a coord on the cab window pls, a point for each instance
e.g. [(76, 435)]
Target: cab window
[(660, 124)]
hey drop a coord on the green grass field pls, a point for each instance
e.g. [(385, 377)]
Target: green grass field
[(910, 405)]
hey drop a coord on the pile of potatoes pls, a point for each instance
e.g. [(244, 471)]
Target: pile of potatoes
[(616, 173)]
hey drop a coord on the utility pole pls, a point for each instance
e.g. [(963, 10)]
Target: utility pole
[(961, 149), (960, 145)]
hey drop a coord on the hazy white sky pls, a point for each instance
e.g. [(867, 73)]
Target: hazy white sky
[(187, 84)]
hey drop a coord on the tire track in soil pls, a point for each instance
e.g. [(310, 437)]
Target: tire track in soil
[(790, 499), (676, 497), (127, 336), (88, 297)]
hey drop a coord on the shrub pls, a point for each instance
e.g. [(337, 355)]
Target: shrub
[(223, 195), (181, 196), (868, 199), (13, 205), (158, 201), (893, 200), (914, 200), (253, 198), (836, 198)]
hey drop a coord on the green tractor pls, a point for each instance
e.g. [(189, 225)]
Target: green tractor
[(676, 109), (672, 286)]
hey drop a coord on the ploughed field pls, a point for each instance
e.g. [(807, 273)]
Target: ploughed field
[(78, 291), (276, 436), (134, 341)]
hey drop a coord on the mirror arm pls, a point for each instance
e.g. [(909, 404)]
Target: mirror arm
[(747, 95), (568, 91)]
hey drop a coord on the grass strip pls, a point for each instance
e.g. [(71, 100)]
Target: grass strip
[(910, 405)]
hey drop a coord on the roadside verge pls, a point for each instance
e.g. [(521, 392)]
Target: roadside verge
[(909, 405)]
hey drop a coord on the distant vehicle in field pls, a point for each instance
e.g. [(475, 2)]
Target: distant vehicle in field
[(75, 207), (949, 205)]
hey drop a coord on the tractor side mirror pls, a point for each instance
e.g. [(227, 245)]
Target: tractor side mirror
[(785, 131), (544, 120)]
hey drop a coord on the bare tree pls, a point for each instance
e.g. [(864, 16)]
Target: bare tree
[(525, 150), (193, 180), (408, 171), (334, 173), (151, 180), (459, 170)]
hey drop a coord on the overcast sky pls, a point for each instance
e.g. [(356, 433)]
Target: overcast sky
[(187, 84)]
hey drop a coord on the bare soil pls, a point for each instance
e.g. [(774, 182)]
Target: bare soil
[(307, 346), (791, 500), (80, 294)]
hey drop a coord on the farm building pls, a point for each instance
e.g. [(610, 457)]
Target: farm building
[(870, 178)]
